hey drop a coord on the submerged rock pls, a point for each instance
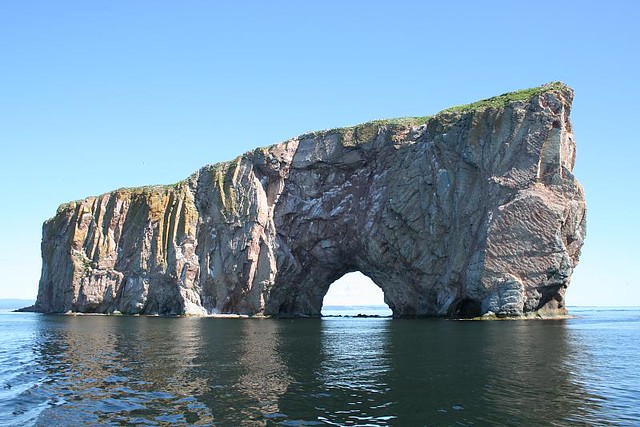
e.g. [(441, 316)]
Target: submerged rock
[(471, 211)]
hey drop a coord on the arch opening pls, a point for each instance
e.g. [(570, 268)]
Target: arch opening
[(355, 294)]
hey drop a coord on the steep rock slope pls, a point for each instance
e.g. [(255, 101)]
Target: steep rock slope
[(468, 212)]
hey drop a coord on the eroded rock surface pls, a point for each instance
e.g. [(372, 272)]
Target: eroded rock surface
[(472, 211)]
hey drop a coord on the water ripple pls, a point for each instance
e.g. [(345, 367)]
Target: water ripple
[(61, 370)]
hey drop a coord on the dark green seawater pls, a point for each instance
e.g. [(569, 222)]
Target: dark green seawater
[(98, 370)]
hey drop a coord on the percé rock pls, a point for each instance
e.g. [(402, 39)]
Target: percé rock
[(470, 212)]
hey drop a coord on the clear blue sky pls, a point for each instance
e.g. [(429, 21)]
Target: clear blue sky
[(100, 95)]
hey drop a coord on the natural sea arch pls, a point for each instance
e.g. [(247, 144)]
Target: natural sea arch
[(355, 293)]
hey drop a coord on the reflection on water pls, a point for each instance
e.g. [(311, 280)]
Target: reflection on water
[(343, 377), (96, 370), (102, 370), (536, 359), (263, 377)]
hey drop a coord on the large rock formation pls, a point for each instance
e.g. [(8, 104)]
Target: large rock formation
[(471, 211)]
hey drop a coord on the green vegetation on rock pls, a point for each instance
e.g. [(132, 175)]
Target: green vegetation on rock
[(499, 101), (506, 98), (223, 172), (82, 264), (223, 179)]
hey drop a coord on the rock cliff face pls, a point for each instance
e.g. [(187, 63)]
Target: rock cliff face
[(468, 212)]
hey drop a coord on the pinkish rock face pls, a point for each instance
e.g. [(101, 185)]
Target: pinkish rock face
[(463, 214)]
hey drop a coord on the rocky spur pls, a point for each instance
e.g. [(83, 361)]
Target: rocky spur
[(469, 212)]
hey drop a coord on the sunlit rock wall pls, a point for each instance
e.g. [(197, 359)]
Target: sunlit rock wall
[(469, 212)]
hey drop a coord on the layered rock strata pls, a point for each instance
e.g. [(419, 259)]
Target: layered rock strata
[(469, 212)]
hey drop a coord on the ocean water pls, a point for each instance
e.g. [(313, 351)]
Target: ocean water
[(100, 370), (356, 310)]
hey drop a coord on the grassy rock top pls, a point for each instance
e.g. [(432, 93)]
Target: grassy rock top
[(363, 132), (506, 98), (493, 102)]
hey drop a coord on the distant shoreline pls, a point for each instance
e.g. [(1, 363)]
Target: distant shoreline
[(15, 303), (332, 311)]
